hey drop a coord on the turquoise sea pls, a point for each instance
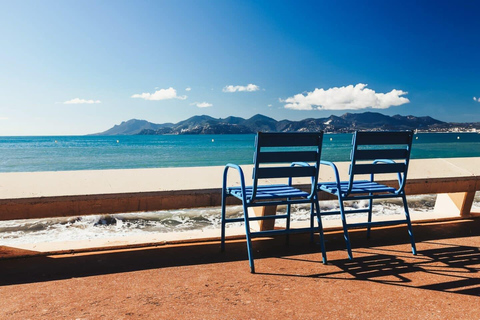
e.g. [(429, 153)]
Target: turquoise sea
[(23, 154), (20, 154)]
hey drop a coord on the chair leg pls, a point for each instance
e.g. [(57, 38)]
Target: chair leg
[(248, 238), (345, 227), (287, 227), (320, 231), (370, 208), (312, 223), (222, 241), (409, 224)]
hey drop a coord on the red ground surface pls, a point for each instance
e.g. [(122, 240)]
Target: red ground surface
[(384, 281)]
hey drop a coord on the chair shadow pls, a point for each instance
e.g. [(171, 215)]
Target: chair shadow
[(457, 262), (379, 268), (451, 266)]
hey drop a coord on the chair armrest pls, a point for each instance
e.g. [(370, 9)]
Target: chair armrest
[(383, 160), (301, 164), (242, 178), (335, 171), (400, 179)]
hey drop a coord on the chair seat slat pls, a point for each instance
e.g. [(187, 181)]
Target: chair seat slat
[(269, 192), (362, 186)]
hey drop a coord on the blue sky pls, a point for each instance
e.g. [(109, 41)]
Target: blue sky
[(78, 67)]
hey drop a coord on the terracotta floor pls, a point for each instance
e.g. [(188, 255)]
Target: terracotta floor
[(384, 281)]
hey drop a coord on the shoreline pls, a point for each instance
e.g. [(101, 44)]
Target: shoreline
[(183, 237), (201, 134)]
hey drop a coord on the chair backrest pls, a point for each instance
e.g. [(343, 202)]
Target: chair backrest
[(373, 152), (275, 153)]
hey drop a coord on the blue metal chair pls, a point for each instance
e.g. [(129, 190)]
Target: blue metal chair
[(277, 155), (373, 153)]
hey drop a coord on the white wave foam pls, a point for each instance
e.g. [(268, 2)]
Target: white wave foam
[(131, 224)]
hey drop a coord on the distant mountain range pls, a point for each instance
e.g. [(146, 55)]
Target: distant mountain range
[(348, 122)]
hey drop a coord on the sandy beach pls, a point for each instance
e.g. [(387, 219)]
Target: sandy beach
[(92, 182)]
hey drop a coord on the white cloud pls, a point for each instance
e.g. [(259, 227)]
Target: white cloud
[(250, 87), (475, 99), (345, 98), (202, 104), (269, 105), (162, 94), (81, 101), (188, 89)]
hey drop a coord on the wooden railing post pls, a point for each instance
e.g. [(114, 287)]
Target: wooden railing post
[(462, 201), (265, 211)]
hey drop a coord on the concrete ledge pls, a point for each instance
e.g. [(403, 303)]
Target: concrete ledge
[(73, 193), (64, 206)]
